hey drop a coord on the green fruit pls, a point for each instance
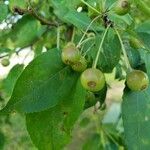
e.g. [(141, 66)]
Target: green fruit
[(34, 2), (70, 45), (122, 7), (70, 55), (92, 79), (135, 43), (137, 80), (5, 62), (80, 66)]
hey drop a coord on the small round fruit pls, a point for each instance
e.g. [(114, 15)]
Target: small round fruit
[(35, 2), (137, 80), (80, 66), (92, 79), (5, 62), (122, 7), (70, 45), (135, 43), (70, 55)]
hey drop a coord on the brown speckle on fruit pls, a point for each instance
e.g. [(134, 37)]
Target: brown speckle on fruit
[(137, 80), (70, 55), (92, 79), (144, 87), (80, 66), (91, 84), (122, 7), (124, 4)]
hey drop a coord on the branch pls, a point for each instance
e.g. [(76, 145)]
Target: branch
[(14, 52), (32, 12), (4, 56)]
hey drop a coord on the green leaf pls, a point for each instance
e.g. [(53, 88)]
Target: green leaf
[(110, 54), (134, 57), (136, 115), (93, 98), (65, 3), (146, 58), (143, 31), (121, 21), (57, 122), (119, 74), (48, 40), (114, 136), (17, 3), (44, 9), (144, 27), (25, 32), (43, 83), (70, 4), (145, 39), (4, 35), (2, 50), (110, 3), (78, 19), (2, 140), (37, 48), (9, 82), (3, 11), (101, 95)]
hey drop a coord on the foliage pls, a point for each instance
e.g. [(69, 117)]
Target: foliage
[(50, 93)]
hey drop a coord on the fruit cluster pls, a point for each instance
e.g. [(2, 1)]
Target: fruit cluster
[(72, 56), (92, 79)]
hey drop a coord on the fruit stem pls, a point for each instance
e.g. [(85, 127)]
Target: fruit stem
[(111, 6), (103, 3), (78, 45), (90, 6), (73, 34), (88, 49), (86, 40), (124, 51), (58, 37), (100, 47)]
